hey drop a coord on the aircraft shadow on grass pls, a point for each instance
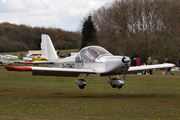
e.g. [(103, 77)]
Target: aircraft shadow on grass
[(116, 96)]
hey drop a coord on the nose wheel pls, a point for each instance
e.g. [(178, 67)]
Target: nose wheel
[(116, 82)]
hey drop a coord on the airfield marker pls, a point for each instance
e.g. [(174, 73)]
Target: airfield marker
[(163, 72)]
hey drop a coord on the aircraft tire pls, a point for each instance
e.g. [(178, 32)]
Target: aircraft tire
[(119, 86), (113, 86), (81, 86)]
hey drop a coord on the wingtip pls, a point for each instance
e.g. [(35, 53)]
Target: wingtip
[(171, 64), (9, 68)]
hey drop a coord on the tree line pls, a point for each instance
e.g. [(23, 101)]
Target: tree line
[(137, 27), (140, 28), (22, 38)]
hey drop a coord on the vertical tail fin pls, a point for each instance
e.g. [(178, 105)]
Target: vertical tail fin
[(20, 56), (47, 48), (30, 55)]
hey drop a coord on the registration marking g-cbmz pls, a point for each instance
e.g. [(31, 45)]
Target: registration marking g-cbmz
[(67, 65)]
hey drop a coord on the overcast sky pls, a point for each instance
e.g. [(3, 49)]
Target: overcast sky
[(64, 14)]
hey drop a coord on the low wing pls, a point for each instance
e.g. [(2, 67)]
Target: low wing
[(149, 67), (47, 71), (40, 62)]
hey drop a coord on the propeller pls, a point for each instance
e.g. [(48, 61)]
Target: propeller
[(125, 61)]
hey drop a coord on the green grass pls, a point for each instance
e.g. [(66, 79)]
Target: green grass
[(143, 97)]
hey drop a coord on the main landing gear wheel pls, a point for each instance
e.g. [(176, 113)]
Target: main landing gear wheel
[(81, 83), (119, 86), (113, 86), (81, 86), (111, 82)]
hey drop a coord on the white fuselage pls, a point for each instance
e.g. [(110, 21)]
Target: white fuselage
[(102, 65)]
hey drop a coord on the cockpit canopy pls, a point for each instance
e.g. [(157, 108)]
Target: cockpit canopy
[(91, 53)]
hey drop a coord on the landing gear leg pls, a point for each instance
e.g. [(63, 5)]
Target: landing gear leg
[(111, 82)]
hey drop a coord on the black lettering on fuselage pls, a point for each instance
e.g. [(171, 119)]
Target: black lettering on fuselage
[(67, 65)]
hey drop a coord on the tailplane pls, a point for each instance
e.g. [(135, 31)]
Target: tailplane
[(47, 48)]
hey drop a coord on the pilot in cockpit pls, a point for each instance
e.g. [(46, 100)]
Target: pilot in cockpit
[(90, 54), (100, 53), (93, 55)]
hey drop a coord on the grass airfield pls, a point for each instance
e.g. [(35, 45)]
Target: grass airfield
[(143, 97)]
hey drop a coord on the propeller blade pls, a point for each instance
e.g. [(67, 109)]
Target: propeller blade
[(125, 70), (125, 61), (119, 52)]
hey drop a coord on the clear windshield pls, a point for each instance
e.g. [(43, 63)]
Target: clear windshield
[(89, 54)]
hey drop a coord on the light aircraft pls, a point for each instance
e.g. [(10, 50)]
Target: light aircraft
[(12, 57), (35, 58), (39, 58), (9, 59), (90, 60), (29, 57), (1, 56)]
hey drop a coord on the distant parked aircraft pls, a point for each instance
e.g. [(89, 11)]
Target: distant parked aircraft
[(9, 59), (28, 58), (37, 58)]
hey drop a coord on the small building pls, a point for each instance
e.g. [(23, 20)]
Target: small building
[(36, 52)]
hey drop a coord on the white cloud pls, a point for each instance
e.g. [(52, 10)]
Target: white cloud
[(65, 14)]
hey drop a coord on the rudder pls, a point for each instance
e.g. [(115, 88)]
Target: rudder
[(47, 48), (20, 56)]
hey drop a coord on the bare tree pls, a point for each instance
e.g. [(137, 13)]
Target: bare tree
[(141, 27)]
